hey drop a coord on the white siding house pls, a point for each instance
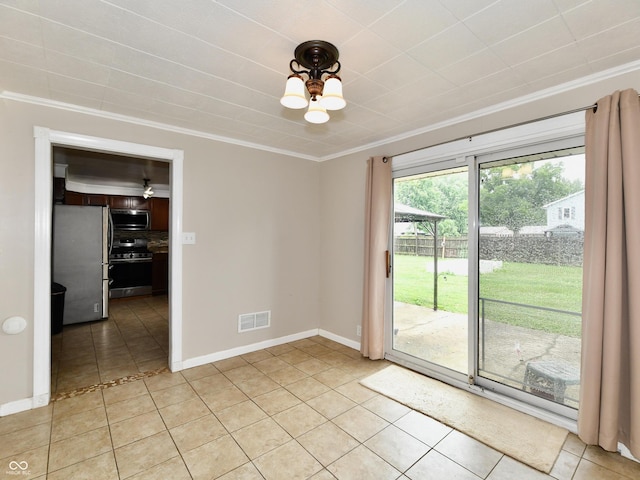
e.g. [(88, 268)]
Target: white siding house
[(566, 211)]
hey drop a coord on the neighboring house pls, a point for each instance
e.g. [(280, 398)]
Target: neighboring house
[(564, 216), (568, 211)]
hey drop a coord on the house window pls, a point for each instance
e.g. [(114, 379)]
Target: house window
[(566, 213)]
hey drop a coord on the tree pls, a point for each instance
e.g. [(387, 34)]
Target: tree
[(444, 195), (515, 200)]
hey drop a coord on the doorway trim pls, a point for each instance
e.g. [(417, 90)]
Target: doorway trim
[(45, 139)]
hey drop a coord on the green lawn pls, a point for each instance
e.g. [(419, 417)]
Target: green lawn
[(547, 286)]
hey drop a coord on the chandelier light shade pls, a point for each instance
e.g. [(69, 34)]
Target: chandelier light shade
[(316, 113), (294, 96), (314, 59), (148, 189), (332, 94)]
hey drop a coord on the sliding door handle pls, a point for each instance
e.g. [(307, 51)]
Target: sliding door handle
[(388, 260)]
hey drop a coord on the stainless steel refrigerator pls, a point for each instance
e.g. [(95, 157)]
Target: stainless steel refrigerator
[(81, 245)]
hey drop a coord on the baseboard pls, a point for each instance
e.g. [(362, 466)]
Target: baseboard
[(18, 406), (234, 352), (625, 452), (339, 339)]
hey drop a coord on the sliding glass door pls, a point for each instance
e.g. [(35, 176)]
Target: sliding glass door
[(431, 267), (487, 271), (530, 244)]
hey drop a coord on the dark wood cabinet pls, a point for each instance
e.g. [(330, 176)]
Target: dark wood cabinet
[(160, 274), (73, 198), (139, 203), (159, 214), (114, 201), (96, 199), (119, 201)]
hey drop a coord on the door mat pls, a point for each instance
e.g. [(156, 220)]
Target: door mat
[(525, 438)]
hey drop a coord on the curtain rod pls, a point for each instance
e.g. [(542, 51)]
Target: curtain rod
[(526, 122)]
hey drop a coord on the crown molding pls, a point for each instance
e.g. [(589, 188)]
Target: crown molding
[(477, 114), (44, 102), (499, 108)]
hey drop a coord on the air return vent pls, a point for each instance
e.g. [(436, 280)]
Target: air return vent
[(254, 321)]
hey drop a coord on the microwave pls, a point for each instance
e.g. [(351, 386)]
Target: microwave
[(130, 219)]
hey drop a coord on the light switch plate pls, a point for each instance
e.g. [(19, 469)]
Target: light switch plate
[(188, 238)]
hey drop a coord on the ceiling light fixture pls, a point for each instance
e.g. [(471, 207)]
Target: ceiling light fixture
[(148, 190), (318, 57)]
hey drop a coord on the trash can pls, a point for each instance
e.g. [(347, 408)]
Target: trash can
[(57, 307)]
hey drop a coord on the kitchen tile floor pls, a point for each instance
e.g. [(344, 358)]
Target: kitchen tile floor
[(135, 339), (291, 411)]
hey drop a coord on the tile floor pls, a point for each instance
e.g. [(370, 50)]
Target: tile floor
[(291, 411), (134, 339)]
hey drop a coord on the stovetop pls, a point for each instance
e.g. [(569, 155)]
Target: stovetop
[(130, 248)]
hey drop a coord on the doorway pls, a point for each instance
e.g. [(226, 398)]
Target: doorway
[(126, 334), (45, 139)]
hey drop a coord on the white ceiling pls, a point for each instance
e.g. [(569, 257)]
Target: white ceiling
[(219, 67)]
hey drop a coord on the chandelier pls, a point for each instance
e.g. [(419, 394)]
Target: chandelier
[(317, 57)]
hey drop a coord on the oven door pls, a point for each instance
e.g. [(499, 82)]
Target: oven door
[(130, 277)]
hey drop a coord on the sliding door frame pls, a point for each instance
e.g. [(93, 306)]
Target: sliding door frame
[(434, 370), (471, 152)]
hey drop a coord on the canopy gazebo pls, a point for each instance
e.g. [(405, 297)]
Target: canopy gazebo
[(405, 213)]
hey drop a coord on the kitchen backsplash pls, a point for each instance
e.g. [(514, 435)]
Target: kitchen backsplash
[(156, 237)]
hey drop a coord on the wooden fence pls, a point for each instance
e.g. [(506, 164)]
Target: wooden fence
[(422, 245), (521, 249)]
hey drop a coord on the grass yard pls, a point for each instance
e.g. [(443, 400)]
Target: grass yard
[(546, 286)]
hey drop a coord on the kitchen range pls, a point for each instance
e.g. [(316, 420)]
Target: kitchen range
[(130, 260), (130, 267)]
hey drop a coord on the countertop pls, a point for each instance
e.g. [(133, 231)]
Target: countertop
[(158, 246)]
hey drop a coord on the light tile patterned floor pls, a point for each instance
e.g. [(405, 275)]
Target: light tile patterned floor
[(287, 412)]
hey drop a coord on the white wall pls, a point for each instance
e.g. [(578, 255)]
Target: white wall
[(254, 213)]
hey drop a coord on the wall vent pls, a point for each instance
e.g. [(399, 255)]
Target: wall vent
[(254, 321)]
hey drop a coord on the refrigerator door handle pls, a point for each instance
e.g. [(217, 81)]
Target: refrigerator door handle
[(110, 240)]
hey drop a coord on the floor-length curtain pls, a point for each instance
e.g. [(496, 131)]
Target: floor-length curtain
[(377, 218), (610, 379)]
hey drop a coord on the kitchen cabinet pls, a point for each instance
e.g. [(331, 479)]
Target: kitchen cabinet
[(96, 199), (73, 198), (128, 203), (159, 214), (160, 273), (119, 201), (138, 203), (114, 201)]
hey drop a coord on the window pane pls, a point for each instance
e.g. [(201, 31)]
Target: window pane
[(431, 267), (531, 213)]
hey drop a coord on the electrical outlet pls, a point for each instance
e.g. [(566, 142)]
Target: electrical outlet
[(188, 238), (359, 330)]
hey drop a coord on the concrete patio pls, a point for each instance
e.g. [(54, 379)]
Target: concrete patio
[(441, 337)]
